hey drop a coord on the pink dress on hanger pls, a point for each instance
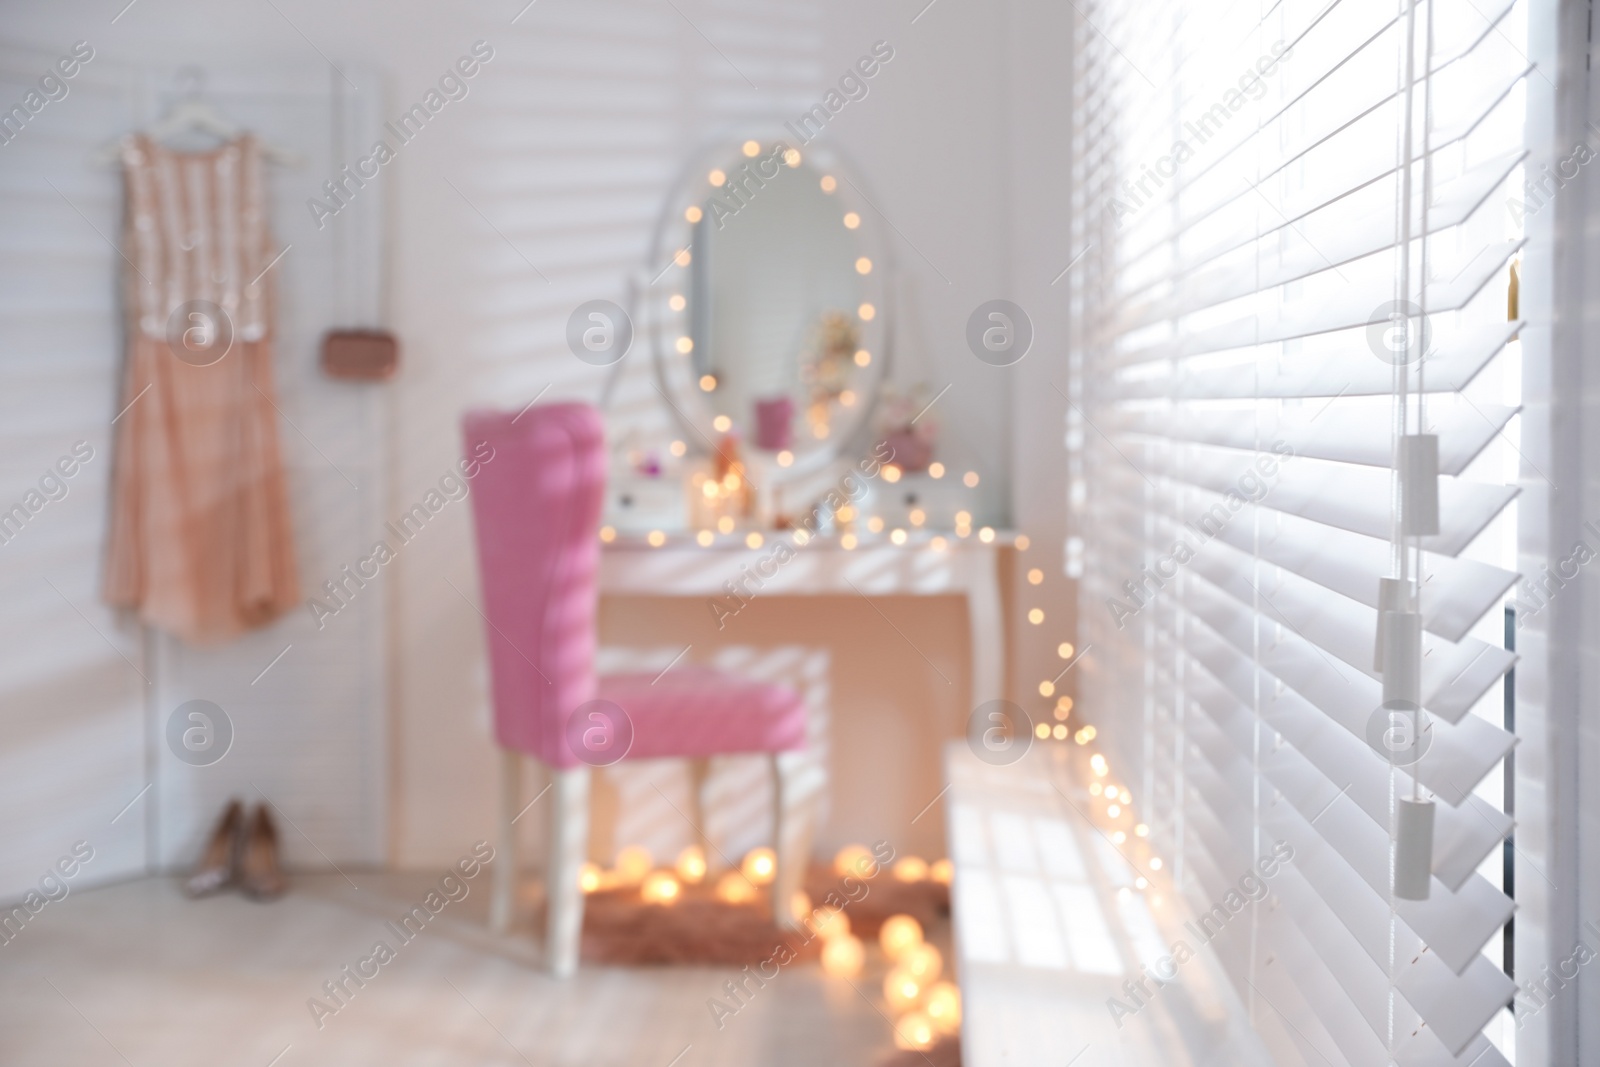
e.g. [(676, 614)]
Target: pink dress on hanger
[(200, 538)]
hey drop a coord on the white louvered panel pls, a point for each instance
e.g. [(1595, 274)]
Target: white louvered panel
[(1461, 753), (1229, 316), (1346, 496), (1455, 675), (1463, 836), (1333, 888), (1333, 364), (1456, 925), (1336, 430)]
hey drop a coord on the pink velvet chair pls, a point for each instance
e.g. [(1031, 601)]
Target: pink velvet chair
[(536, 504)]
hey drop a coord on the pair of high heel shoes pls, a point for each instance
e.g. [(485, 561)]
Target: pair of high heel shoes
[(240, 855)]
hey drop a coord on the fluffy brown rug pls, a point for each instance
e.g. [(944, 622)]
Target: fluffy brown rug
[(947, 1053), (618, 928)]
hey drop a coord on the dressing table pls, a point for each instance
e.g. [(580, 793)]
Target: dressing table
[(925, 565)]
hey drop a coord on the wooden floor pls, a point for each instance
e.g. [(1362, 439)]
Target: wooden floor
[(136, 975)]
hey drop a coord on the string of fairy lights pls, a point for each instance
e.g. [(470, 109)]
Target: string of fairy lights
[(925, 1005)]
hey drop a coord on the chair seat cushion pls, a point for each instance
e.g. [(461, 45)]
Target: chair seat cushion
[(696, 711)]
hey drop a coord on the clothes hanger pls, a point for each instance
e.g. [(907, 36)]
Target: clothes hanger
[(192, 113)]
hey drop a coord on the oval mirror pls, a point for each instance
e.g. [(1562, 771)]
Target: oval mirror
[(767, 311)]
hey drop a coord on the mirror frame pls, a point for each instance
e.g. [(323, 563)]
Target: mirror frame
[(691, 412)]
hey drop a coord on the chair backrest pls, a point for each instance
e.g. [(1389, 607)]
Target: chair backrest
[(536, 505)]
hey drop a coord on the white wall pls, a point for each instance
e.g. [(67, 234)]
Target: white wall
[(556, 165)]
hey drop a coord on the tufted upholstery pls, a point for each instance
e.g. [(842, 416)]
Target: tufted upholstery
[(536, 505)]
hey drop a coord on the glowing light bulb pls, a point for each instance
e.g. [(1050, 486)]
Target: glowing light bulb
[(1047, 688), (760, 866), (1098, 762), (633, 863), (901, 990), (1141, 830), (1035, 576), (848, 541), (863, 357), (792, 157), (683, 258), (656, 538), (693, 214), (917, 516), (923, 962), (866, 312), (830, 922), (752, 539), (608, 534), (1155, 862), (936, 469), (799, 905), (963, 518), (856, 860), (725, 524), (1065, 650), (914, 1032), (848, 398), (1058, 731), (1023, 542), (722, 424), (986, 534), (1095, 789), (752, 149), (897, 536), (891, 473), (875, 524), (1141, 881), (898, 934), (829, 183), (851, 220), (684, 345), (732, 888), (1119, 837), (677, 448), (676, 302), (691, 865), (1063, 707), (911, 869), (590, 877), (1042, 730), (938, 544), (1114, 810), (1036, 615), (716, 177), (943, 1007), (842, 957), (1089, 732), (801, 537), (970, 479), (708, 383), (660, 888), (942, 871), (863, 265), (785, 458)]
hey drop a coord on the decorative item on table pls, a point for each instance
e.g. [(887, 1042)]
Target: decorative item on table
[(826, 367), (774, 423), (909, 428), (720, 493)]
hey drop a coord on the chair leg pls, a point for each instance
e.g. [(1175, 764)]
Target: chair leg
[(791, 825), (699, 785), (569, 844), (503, 901)]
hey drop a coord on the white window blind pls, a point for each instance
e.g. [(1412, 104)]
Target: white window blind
[(1297, 251)]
